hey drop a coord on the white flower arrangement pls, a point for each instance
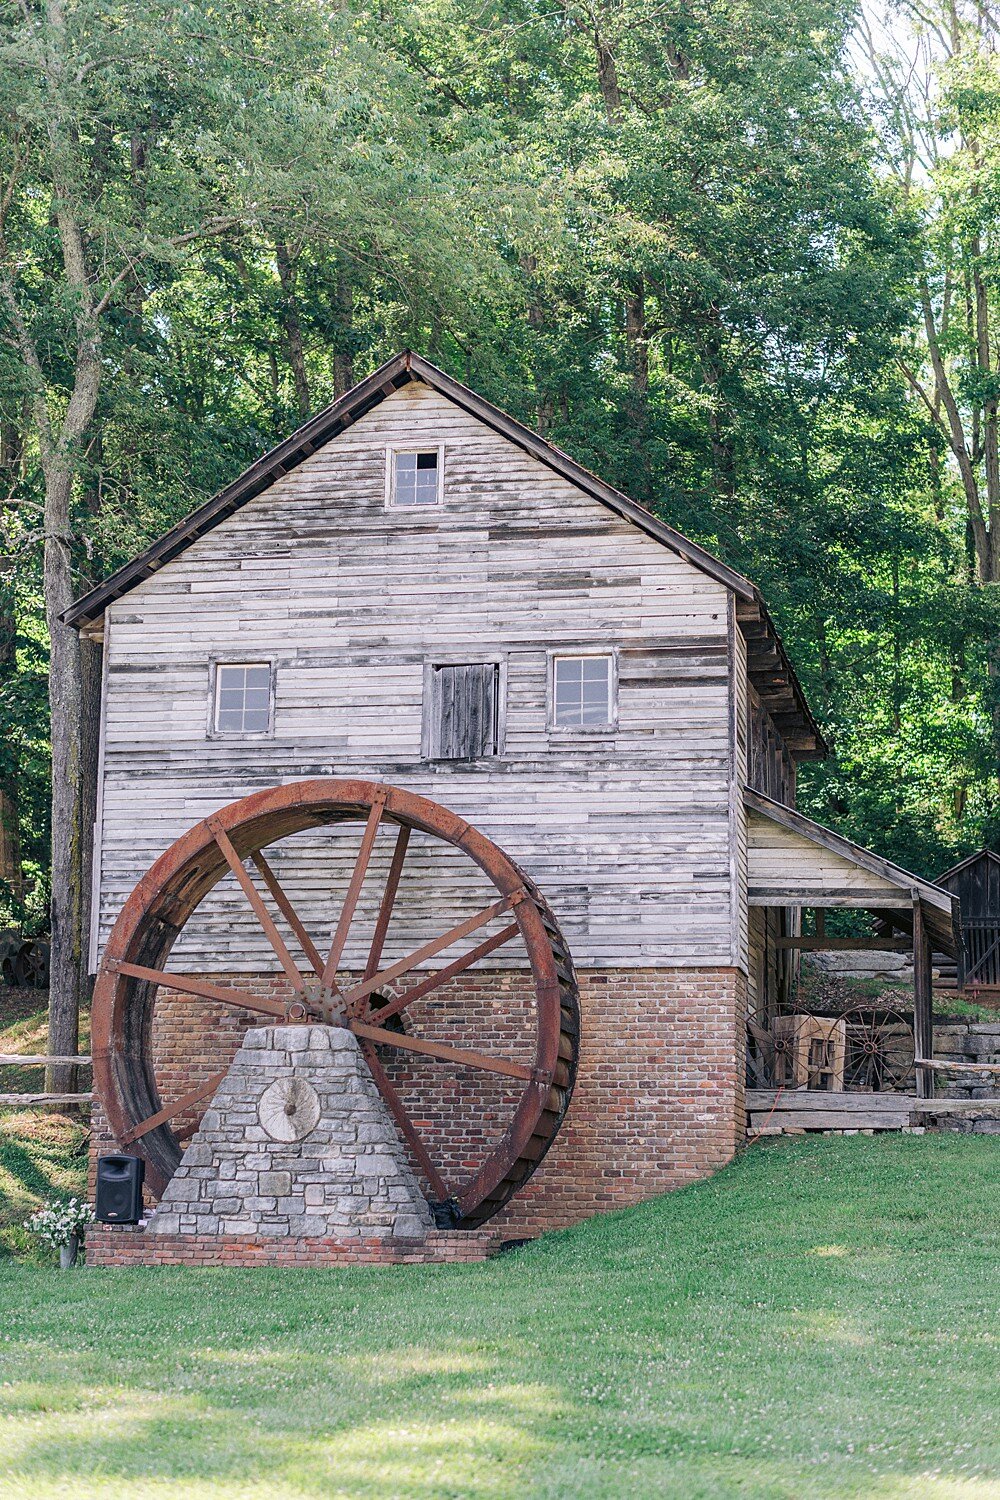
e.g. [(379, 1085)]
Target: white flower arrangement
[(58, 1222)]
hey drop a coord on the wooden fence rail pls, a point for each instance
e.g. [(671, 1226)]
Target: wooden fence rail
[(32, 1101), (36, 1060)]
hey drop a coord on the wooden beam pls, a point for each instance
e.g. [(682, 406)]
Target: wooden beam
[(178, 1107), (30, 1101), (32, 1060), (482, 1061), (923, 1019), (354, 889), (803, 896)]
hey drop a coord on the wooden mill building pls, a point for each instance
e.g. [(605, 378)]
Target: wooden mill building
[(415, 589)]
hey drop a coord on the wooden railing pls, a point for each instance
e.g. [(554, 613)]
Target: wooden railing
[(38, 1060)]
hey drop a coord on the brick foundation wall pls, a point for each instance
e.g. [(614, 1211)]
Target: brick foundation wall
[(108, 1246), (658, 1099)]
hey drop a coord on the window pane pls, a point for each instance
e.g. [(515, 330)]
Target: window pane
[(243, 703), (582, 691), (416, 479)]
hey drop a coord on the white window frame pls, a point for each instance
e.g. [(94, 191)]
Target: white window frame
[(570, 653), (215, 676), (391, 453)]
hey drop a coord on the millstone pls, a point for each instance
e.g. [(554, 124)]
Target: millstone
[(297, 1142)]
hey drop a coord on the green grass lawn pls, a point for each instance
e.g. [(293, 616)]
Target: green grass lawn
[(820, 1319), (42, 1154)]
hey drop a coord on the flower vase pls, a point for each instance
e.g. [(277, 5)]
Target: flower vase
[(69, 1252)]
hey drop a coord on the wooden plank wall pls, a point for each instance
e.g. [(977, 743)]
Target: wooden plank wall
[(783, 865), (739, 688), (629, 833)]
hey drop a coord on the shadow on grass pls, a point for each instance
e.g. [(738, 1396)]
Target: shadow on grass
[(788, 1328)]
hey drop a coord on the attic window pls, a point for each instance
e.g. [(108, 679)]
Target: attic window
[(242, 698), (462, 712), (415, 477)]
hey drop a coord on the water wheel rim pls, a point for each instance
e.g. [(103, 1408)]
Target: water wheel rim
[(170, 892)]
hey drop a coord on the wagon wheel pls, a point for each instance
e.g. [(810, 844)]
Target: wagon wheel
[(31, 967), (880, 1049), (378, 1008)]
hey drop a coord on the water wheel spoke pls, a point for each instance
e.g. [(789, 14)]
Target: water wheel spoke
[(482, 1061), (353, 890), (177, 1108), (441, 976), (288, 911), (431, 949), (189, 985), (252, 894), (402, 1118), (388, 902)]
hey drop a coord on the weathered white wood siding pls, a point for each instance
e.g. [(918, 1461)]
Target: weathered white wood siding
[(787, 868), (739, 733), (629, 833)]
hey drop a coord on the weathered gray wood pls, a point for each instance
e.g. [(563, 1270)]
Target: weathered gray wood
[(629, 833), (32, 1101), (32, 1060), (811, 1099), (923, 1000), (789, 850), (832, 1119)]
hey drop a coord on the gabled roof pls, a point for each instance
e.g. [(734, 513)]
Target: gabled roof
[(970, 859), (782, 695), (940, 907)]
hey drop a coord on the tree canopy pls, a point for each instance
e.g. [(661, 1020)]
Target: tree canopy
[(738, 258)]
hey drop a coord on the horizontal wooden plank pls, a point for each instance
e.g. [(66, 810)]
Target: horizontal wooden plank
[(831, 1119), (30, 1101), (811, 1099), (31, 1060)]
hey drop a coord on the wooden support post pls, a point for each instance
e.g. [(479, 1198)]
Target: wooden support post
[(923, 1018)]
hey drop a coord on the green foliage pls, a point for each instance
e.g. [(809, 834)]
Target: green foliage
[(659, 234), (819, 1319)]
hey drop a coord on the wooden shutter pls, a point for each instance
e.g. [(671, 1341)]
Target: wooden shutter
[(464, 711)]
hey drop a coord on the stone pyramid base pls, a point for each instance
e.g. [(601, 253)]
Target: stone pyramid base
[(296, 1146)]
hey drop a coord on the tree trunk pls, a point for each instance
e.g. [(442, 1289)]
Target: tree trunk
[(292, 328), (10, 832), (343, 360), (69, 835)]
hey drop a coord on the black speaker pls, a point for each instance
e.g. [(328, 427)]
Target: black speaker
[(119, 1189)]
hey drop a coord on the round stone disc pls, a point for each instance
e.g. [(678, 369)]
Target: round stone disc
[(288, 1109)]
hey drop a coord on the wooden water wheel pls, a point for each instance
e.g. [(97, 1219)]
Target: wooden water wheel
[(374, 1007)]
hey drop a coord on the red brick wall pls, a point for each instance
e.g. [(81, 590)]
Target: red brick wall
[(658, 1099)]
